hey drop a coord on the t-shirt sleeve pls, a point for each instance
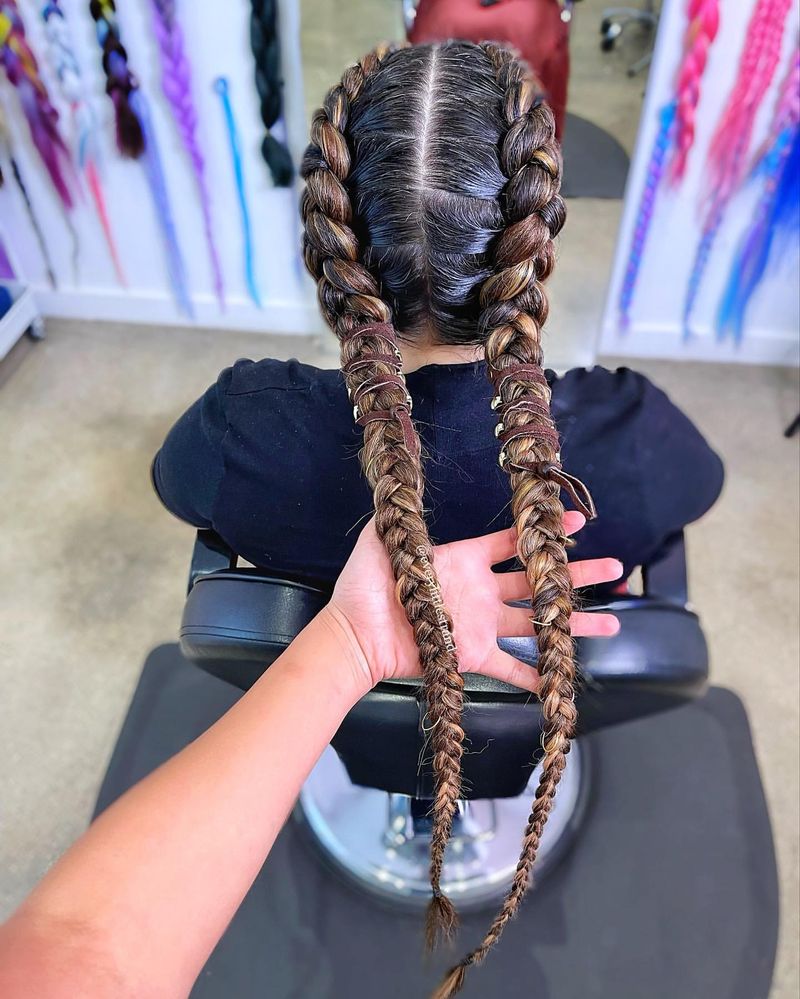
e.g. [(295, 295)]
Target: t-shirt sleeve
[(187, 470)]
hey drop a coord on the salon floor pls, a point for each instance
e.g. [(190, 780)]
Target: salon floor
[(94, 569)]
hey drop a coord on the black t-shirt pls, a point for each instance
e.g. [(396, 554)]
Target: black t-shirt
[(268, 458)]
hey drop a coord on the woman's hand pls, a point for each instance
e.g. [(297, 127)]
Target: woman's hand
[(365, 609)]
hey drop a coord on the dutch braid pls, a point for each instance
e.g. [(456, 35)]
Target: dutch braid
[(514, 310), (371, 362), (266, 50), (120, 81)]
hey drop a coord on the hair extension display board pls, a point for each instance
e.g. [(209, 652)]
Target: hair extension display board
[(670, 891), (216, 42), (656, 325)]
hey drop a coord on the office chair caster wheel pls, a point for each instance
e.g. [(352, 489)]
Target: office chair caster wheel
[(610, 30), (380, 842)]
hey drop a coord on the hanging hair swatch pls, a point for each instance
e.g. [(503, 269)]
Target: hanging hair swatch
[(158, 188), (727, 159), (777, 213), (22, 71), (701, 29), (136, 138), (176, 82), (221, 88), (452, 234), (674, 138), (121, 84), (267, 53), (68, 73), (8, 150)]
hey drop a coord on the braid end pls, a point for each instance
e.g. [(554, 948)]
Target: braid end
[(130, 137), (441, 922), (452, 983)]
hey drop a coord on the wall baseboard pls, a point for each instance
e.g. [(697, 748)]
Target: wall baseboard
[(759, 346), (292, 317)]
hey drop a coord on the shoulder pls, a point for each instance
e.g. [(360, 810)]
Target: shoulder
[(246, 377)]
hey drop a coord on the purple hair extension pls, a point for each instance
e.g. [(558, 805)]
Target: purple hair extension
[(155, 176), (5, 144), (655, 171), (22, 71), (176, 81)]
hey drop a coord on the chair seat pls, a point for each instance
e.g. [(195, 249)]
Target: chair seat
[(237, 622)]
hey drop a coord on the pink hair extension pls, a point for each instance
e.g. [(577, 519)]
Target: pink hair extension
[(758, 62), (177, 85), (67, 68), (22, 71), (728, 153), (701, 30)]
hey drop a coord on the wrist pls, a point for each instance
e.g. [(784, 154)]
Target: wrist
[(339, 654)]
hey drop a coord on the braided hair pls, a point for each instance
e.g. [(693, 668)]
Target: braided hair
[(431, 205), (267, 53), (120, 81)]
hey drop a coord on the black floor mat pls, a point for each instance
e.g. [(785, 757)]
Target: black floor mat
[(670, 893), (595, 163)]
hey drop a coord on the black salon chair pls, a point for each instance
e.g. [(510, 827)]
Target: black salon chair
[(366, 804)]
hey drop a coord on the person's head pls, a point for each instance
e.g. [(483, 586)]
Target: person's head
[(431, 204)]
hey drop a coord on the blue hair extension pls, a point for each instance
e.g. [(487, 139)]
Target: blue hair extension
[(221, 87), (776, 217), (158, 188), (655, 172)]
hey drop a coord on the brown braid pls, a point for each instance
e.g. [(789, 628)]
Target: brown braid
[(514, 310), (351, 301)]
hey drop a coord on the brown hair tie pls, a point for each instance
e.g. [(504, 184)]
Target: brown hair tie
[(528, 405), (373, 383), (500, 376), (402, 414), (543, 433), (553, 472), (364, 360)]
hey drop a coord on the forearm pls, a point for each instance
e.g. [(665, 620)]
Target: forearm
[(159, 875)]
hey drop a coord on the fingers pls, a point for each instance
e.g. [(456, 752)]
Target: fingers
[(502, 666), (501, 545), (590, 572), (515, 621)]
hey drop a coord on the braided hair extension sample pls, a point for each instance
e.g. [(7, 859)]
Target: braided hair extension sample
[(8, 149), (22, 71), (158, 189), (728, 153), (222, 89), (371, 361), (120, 81), (136, 138), (674, 137), (702, 24), (431, 205), (176, 82), (68, 72), (776, 213), (266, 50)]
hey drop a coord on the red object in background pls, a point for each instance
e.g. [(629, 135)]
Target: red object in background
[(533, 27)]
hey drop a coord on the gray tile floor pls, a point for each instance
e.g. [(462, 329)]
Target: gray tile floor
[(93, 569)]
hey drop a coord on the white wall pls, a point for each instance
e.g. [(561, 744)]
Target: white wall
[(217, 40), (773, 317)]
